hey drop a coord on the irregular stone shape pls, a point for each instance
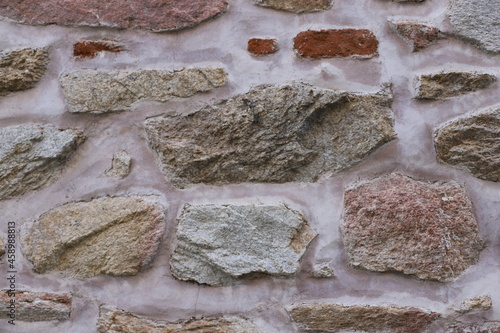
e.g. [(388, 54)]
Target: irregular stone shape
[(113, 235), (32, 156), (489, 327), (322, 271), (35, 306), (272, 134), (476, 21), (472, 142), (2, 247), (357, 43), (417, 35), (482, 303), (366, 318), (90, 48), (99, 92), (218, 244), (450, 84), (155, 15), (112, 320), (297, 6), (21, 69), (120, 165), (260, 46), (395, 223)]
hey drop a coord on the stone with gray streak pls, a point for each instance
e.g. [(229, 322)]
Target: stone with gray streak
[(100, 91), (217, 244), (35, 306), (297, 6), (32, 156), (451, 84), (290, 132)]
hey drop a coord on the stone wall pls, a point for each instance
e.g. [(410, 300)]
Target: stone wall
[(250, 166)]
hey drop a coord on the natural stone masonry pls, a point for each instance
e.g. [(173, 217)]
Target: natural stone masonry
[(451, 84), (2, 247), (21, 69), (365, 318), (357, 43), (488, 327), (113, 235), (120, 166), (32, 156), (91, 48), (472, 142), (112, 320), (35, 306), (476, 21), (272, 134), (297, 6), (482, 303), (322, 271), (217, 244), (259, 46), (155, 15), (395, 223), (418, 36), (99, 92)]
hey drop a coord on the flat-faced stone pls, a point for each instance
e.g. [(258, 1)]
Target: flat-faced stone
[(117, 236), (417, 35), (357, 43), (451, 84), (272, 134), (488, 327), (120, 165), (155, 15), (395, 223), (112, 320), (21, 69), (91, 48), (217, 244), (32, 156), (35, 306), (259, 46), (365, 318), (99, 92), (472, 142), (297, 6)]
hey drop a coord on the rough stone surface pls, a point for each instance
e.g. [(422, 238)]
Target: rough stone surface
[(482, 303), (2, 247), (476, 21), (35, 306), (357, 43), (113, 235), (297, 6), (489, 327), (450, 84), (91, 48), (417, 35), (272, 134), (99, 92), (395, 223), (218, 244), (21, 69), (259, 46), (322, 270), (472, 142), (155, 15), (120, 166), (335, 318), (32, 156)]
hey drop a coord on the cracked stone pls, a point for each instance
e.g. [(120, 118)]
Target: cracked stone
[(35, 306), (297, 6), (451, 84)]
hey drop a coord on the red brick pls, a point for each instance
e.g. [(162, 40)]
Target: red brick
[(259, 46), (90, 49)]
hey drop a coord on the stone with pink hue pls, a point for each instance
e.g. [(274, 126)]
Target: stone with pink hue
[(35, 306), (417, 35)]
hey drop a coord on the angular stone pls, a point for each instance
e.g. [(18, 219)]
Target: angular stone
[(120, 165), (112, 320), (36, 306), (476, 21), (117, 236), (272, 134), (260, 46), (366, 318), (21, 69), (395, 223), (417, 35), (99, 92), (482, 303), (91, 48), (155, 15), (297, 6), (357, 43), (32, 156), (322, 271), (472, 142), (488, 327), (217, 244), (450, 84)]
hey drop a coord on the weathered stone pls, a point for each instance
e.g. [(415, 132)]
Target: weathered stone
[(35, 306), (297, 6), (155, 15), (322, 270), (21, 69), (476, 21), (450, 84), (472, 142), (272, 134), (357, 43), (260, 46), (113, 235), (395, 223), (99, 92), (120, 166), (90, 48), (32, 156), (417, 35), (218, 244), (366, 318), (488, 327), (2, 247), (478, 303)]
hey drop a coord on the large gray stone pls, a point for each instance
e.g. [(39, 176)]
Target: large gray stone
[(217, 244), (272, 134)]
